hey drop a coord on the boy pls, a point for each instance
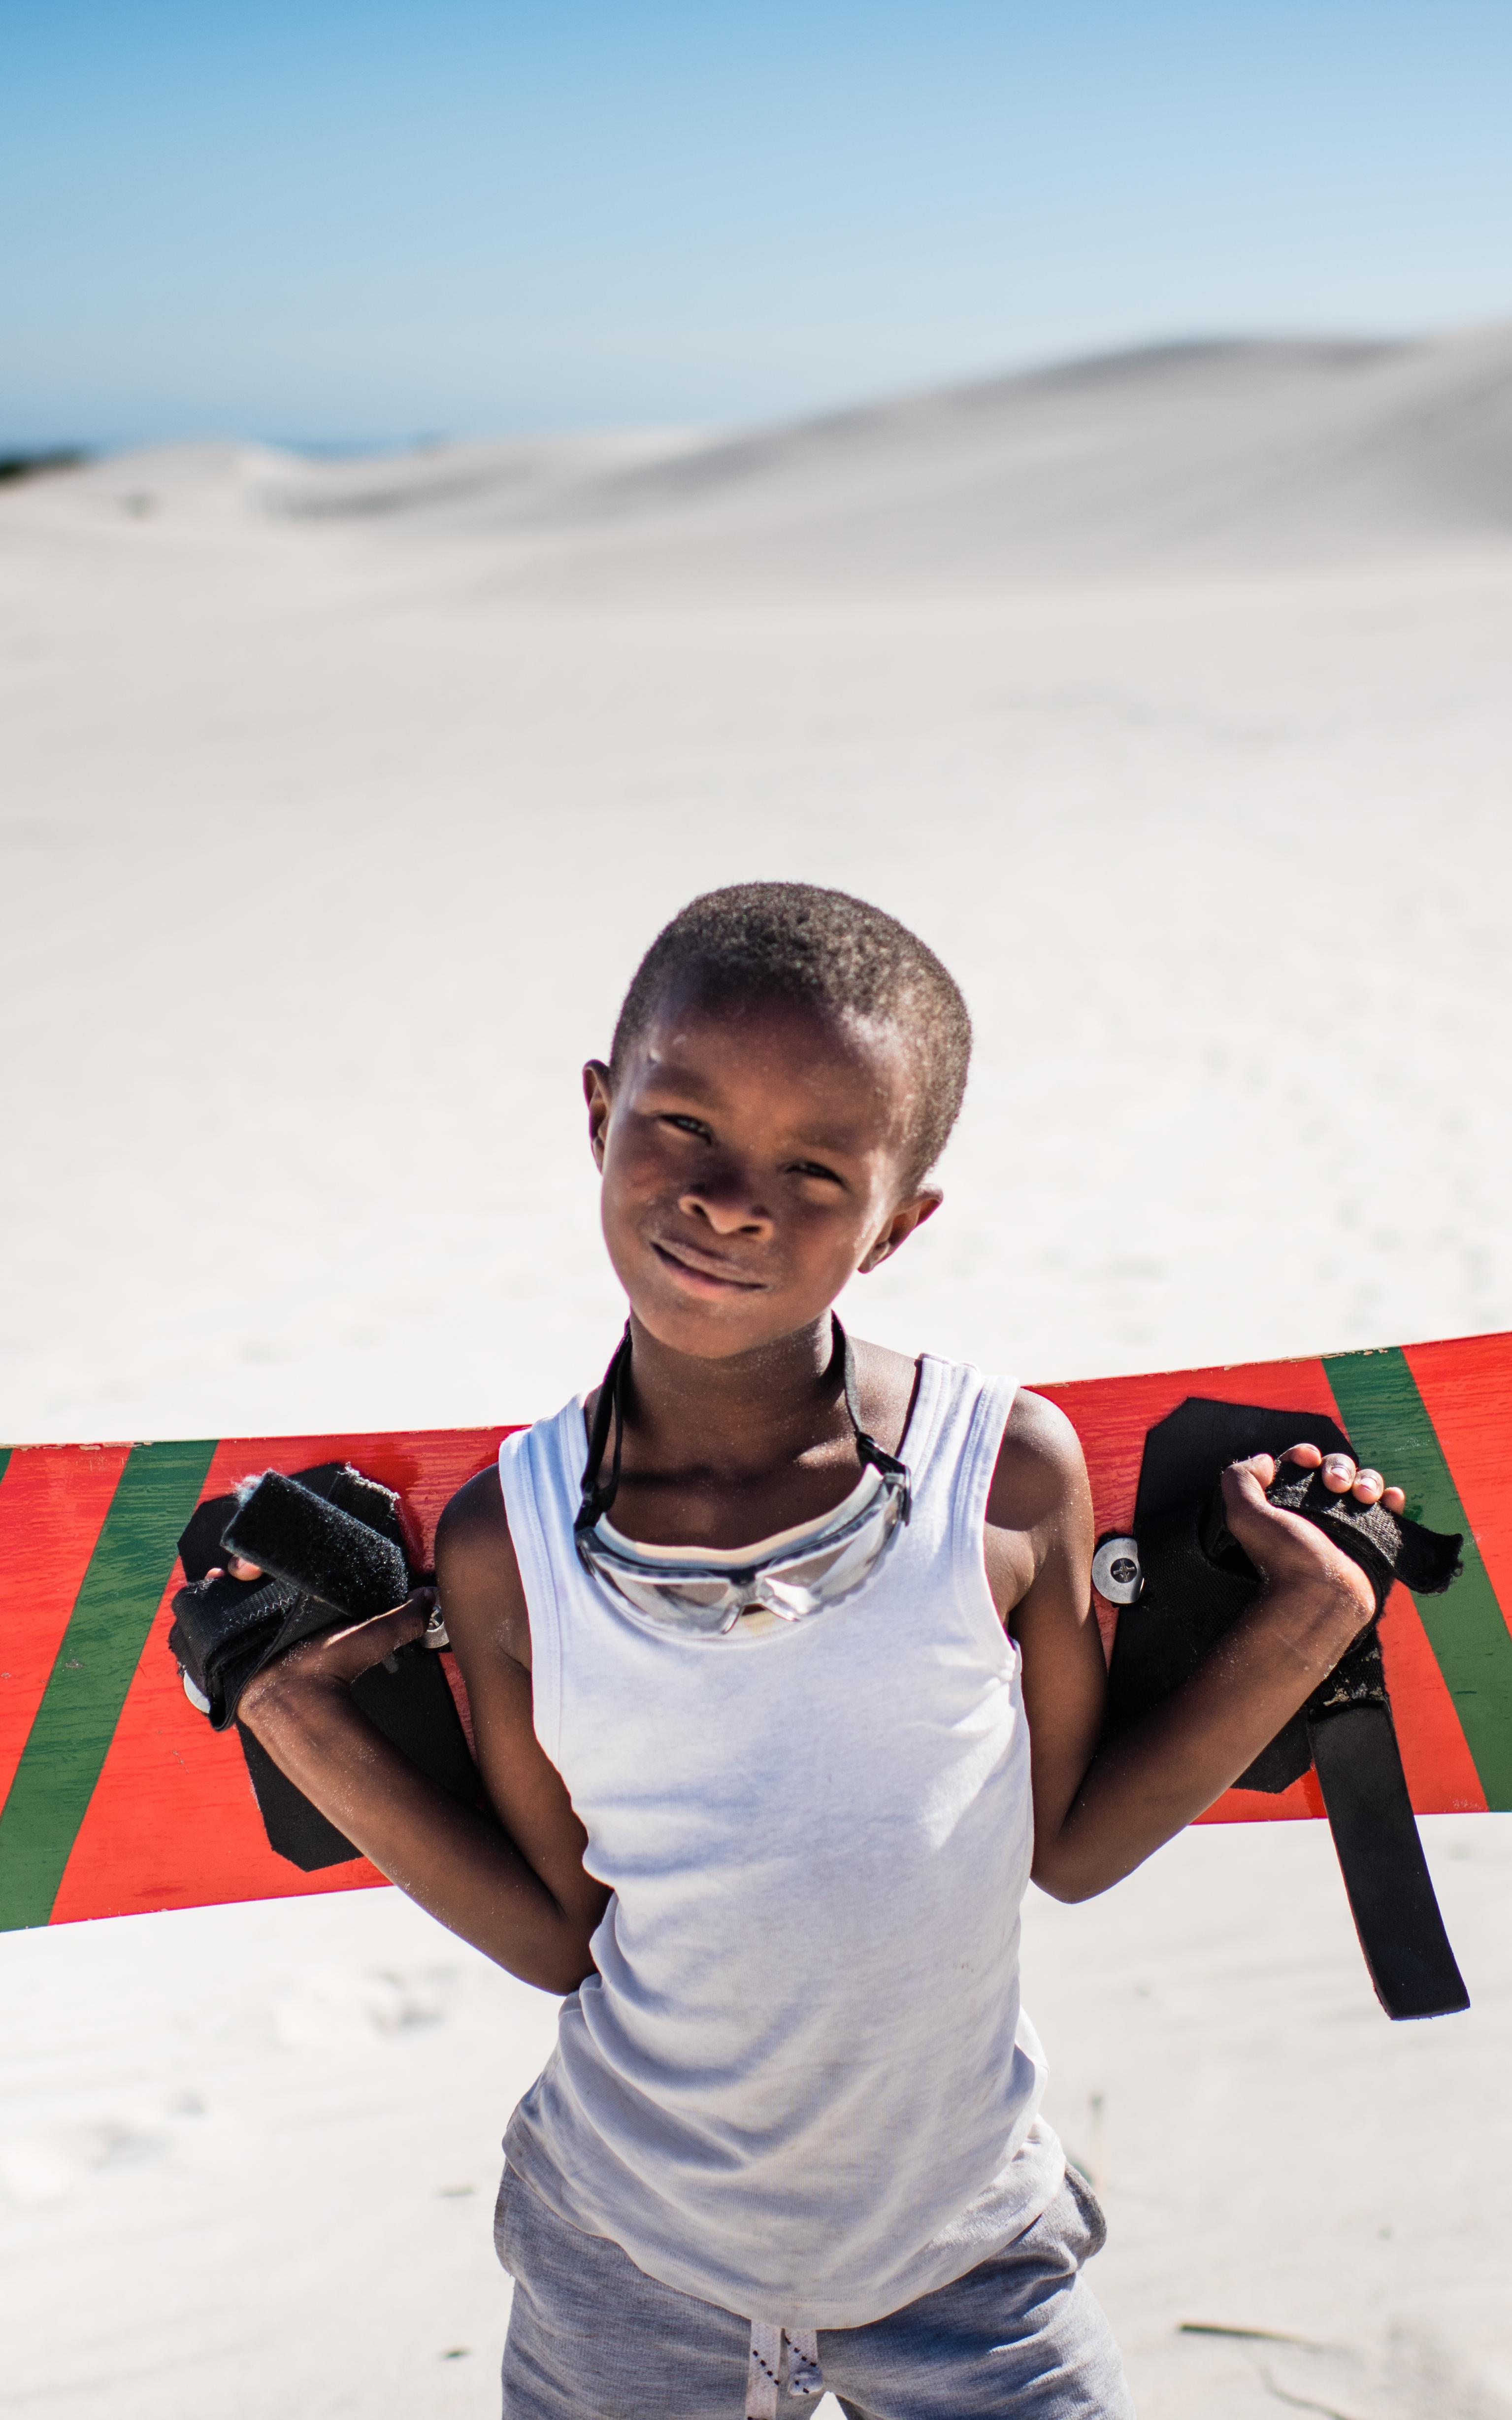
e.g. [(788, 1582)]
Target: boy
[(785, 1677)]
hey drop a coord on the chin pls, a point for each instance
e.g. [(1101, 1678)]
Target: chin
[(708, 1329)]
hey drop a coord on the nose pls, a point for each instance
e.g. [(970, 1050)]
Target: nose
[(727, 1204)]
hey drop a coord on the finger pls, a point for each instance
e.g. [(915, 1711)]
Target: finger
[(1246, 1482), (1338, 1472), (1369, 1487), (1308, 1457), (1393, 1500), (240, 1569)]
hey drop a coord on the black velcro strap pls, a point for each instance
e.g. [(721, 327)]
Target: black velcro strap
[(1388, 1546), (316, 1546), (330, 1546), (1380, 1857), (225, 1631)]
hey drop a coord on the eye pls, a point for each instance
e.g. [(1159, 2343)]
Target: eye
[(688, 1126), (815, 1168)]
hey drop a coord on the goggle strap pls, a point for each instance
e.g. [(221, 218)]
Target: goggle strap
[(867, 1448), (599, 1494)]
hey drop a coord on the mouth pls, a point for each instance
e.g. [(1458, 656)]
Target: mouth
[(700, 1274)]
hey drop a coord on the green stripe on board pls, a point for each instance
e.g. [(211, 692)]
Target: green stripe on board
[(4, 1460), (1389, 1427), (75, 1723)]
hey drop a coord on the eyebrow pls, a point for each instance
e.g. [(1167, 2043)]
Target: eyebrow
[(666, 1076)]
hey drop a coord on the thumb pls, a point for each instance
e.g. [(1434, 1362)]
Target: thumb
[(378, 1640), (1245, 1484)]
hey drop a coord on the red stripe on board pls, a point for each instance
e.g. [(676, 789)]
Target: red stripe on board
[(1111, 1415), (173, 1821), (1301, 1802), (1440, 1773), (1466, 1388), (53, 1500)]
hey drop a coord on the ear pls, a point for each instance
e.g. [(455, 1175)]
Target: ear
[(600, 1100), (907, 1215)]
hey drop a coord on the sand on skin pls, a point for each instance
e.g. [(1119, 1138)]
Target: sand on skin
[(1170, 702)]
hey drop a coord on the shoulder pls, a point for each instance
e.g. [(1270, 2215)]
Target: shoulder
[(476, 1569), (475, 1521), (1040, 1476)]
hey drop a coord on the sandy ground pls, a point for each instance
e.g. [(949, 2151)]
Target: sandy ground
[(248, 2155), (1170, 701)]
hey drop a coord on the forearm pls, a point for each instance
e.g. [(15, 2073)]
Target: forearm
[(457, 1861), (1148, 1783)]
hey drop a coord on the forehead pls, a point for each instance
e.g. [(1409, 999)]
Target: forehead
[(787, 1064)]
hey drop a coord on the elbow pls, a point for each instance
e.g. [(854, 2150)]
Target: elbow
[(1070, 1890), (561, 1966), (1067, 1879), (561, 1977)]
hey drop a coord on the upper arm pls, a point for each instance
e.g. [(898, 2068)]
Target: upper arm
[(1038, 1548), (483, 1605)]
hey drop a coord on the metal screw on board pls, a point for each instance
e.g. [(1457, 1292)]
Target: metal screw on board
[(1116, 1571)]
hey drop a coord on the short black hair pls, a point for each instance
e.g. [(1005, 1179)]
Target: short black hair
[(795, 941)]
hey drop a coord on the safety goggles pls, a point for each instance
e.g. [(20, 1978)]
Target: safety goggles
[(793, 1580)]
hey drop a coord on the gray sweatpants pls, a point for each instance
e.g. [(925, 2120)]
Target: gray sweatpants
[(591, 2338)]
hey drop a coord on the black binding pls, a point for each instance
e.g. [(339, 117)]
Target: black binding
[(332, 1543), (1197, 1581)]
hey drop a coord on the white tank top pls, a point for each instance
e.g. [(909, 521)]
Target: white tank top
[(799, 2085)]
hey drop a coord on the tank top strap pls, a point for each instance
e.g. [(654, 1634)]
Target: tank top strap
[(951, 1446), (540, 1471)]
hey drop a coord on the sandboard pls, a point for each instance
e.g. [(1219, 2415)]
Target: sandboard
[(116, 1799)]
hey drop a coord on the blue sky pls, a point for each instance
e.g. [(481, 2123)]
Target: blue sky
[(331, 222)]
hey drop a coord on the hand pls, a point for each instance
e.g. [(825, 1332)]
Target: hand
[(1284, 1548), (335, 1658)]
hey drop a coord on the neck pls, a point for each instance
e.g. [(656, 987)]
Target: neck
[(737, 1415)]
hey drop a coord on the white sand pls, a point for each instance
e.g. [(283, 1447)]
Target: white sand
[(1169, 698)]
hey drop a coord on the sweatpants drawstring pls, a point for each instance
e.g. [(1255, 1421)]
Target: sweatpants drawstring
[(765, 2381)]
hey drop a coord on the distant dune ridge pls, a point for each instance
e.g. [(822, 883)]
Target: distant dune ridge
[(1208, 455)]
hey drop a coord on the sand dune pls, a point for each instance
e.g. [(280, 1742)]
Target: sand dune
[(1201, 453), (1169, 697), (1182, 456)]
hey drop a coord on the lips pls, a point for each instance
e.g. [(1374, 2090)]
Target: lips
[(701, 1272)]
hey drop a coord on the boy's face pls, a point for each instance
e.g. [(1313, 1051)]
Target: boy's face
[(754, 1159)]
